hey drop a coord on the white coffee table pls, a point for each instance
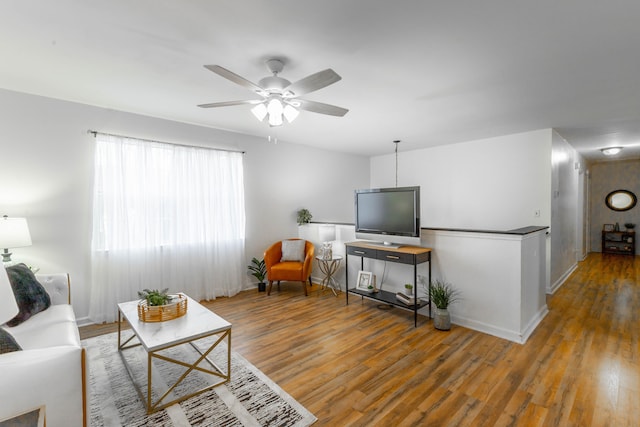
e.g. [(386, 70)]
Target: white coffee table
[(198, 323)]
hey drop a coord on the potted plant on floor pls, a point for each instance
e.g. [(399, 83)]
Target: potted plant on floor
[(258, 270), (442, 295)]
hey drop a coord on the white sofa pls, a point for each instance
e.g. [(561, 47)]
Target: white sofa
[(50, 370)]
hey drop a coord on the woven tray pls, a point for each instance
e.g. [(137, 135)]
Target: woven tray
[(160, 313)]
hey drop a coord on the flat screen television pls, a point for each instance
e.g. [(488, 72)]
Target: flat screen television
[(390, 215)]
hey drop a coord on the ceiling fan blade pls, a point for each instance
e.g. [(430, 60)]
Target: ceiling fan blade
[(230, 103), (313, 82), (229, 75), (319, 107)]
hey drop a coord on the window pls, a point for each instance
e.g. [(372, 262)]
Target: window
[(165, 216)]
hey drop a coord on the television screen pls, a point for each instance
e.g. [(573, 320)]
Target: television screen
[(388, 211)]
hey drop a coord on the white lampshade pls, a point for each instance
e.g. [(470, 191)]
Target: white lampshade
[(327, 233), (8, 305), (275, 120), (260, 111), (290, 113), (14, 233), (275, 107)]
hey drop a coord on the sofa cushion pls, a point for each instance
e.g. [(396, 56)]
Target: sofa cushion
[(7, 343), (30, 295), (292, 250), (53, 327)]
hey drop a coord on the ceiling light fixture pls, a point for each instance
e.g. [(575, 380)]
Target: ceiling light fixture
[(611, 151), (275, 110)]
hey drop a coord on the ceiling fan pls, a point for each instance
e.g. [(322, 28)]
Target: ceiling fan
[(280, 98)]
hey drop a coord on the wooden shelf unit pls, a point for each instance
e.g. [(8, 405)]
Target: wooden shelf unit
[(619, 242), (412, 255)]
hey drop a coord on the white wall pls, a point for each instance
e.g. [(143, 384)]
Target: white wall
[(499, 184), (495, 183), (566, 211), (46, 171), (501, 279)]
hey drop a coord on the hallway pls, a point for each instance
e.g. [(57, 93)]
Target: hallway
[(593, 330)]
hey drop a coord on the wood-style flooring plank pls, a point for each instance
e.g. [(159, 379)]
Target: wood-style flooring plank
[(358, 365)]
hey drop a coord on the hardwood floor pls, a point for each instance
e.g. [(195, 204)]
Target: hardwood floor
[(358, 365)]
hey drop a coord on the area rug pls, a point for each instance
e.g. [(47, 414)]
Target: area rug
[(249, 399)]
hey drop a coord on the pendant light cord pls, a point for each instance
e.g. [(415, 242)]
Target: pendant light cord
[(396, 142)]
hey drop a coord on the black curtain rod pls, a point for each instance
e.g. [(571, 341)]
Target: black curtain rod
[(95, 132)]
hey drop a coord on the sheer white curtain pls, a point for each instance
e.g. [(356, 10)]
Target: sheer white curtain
[(164, 216)]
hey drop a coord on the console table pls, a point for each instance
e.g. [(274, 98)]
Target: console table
[(619, 242), (412, 255)]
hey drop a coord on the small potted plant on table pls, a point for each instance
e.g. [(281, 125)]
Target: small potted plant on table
[(155, 297), (158, 306)]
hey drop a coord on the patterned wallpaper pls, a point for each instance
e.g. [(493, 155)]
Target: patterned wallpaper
[(606, 177)]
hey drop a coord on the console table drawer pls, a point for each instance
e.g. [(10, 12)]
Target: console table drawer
[(400, 257), (361, 252)]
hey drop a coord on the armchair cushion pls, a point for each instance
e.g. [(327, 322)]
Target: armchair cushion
[(7, 342), (293, 250), (29, 293)]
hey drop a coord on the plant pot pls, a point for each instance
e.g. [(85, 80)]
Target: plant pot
[(441, 319), (160, 313), (262, 287)]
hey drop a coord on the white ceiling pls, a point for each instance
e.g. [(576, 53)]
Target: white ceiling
[(425, 72)]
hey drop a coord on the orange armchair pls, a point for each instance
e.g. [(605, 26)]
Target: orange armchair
[(289, 270)]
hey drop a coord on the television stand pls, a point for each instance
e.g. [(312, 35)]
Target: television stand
[(412, 255)]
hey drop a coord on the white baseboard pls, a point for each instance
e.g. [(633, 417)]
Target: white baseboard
[(533, 324), (519, 337), (84, 321), (558, 283)]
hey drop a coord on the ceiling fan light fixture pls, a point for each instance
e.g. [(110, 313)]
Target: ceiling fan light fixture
[(275, 120), (279, 94), (275, 107), (290, 113), (260, 111), (611, 151)]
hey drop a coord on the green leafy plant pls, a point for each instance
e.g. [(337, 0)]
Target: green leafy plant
[(258, 269), (155, 297), (304, 216), (443, 294), (408, 287)]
